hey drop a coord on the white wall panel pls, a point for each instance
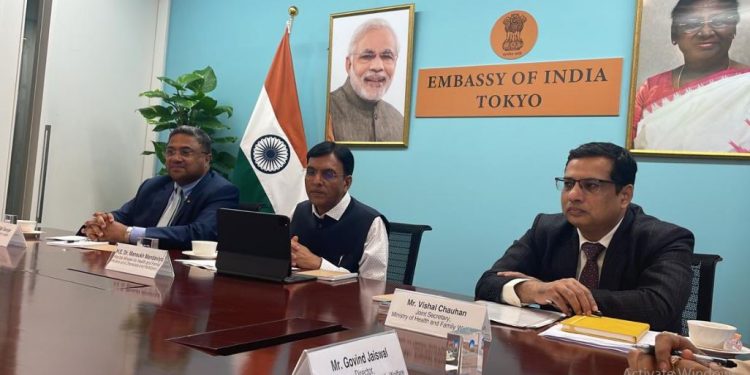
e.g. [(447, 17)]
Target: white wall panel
[(101, 54)]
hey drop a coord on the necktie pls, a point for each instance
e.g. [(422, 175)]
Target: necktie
[(172, 208), (590, 272)]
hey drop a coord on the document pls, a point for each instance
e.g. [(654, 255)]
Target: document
[(73, 241), (556, 333), (521, 317)]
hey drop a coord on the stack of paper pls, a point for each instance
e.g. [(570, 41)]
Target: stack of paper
[(556, 333), (522, 317)]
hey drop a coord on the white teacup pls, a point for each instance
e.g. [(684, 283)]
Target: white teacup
[(204, 248), (26, 225), (710, 335)]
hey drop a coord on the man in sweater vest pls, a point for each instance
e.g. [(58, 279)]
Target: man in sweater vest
[(331, 230)]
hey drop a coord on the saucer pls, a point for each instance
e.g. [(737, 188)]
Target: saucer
[(723, 353), (193, 255)]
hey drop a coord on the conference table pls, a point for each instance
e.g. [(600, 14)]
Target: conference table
[(60, 315)]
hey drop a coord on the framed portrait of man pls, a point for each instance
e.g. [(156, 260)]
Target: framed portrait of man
[(369, 76), (690, 85)]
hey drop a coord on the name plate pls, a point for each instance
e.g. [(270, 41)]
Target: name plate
[(10, 235), (435, 315), (141, 261), (375, 354)]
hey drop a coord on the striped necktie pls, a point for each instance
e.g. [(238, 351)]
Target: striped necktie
[(172, 208)]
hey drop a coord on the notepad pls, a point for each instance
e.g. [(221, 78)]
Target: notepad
[(609, 328), (328, 275)]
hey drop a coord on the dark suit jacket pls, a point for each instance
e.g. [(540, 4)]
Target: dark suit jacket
[(646, 275), (196, 219)]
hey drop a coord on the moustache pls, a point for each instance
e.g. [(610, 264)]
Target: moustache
[(375, 77)]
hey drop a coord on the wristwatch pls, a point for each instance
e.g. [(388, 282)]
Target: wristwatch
[(127, 234)]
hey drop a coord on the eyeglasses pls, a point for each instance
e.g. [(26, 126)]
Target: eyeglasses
[(589, 185), (185, 152), (693, 25), (326, 174)]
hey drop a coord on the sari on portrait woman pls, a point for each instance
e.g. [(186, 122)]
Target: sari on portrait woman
[(708, 114)]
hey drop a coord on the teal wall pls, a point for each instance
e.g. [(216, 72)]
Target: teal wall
[(477, 181)]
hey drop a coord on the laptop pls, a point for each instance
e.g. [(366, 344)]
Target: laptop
[(256, 245)]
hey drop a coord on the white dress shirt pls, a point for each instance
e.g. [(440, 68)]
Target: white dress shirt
[(374, 261), (509, 295)]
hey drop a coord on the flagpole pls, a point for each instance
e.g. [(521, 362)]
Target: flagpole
[(293, 11)]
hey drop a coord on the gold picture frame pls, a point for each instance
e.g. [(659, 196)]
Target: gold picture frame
[(676, 114), (368, 98)]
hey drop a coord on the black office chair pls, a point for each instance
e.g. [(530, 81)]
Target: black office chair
[(403, 248), (702, 289)]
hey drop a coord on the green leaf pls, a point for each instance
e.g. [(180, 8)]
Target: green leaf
[(188, 78), (147, 153), (171, 82), (163, 121), (206, 103), (223, 109), (169, 117), (163, 171), (159, 147), (185, 103), (165, 126), (209, 79), (154, 94), (210, 123), (196, 96), (154, 111)]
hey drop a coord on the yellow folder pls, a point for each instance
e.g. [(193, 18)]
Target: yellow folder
[(608, 328)]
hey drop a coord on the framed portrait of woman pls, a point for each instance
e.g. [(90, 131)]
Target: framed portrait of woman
[(690, 85), (369, 76)]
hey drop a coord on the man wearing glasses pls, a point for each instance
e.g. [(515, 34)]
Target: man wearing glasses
[(356, 109), (177, 208), (602, 254), (331, 230)]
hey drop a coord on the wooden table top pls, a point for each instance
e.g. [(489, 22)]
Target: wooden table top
[(56, 317)]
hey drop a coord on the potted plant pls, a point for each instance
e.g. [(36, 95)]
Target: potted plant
[(189, 104)]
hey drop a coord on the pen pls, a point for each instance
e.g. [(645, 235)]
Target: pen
[(700, 358)]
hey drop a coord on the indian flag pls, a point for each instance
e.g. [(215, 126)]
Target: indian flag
[(272, 158)]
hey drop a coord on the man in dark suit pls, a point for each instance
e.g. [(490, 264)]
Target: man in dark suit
[(176, 208), (603, 253)]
